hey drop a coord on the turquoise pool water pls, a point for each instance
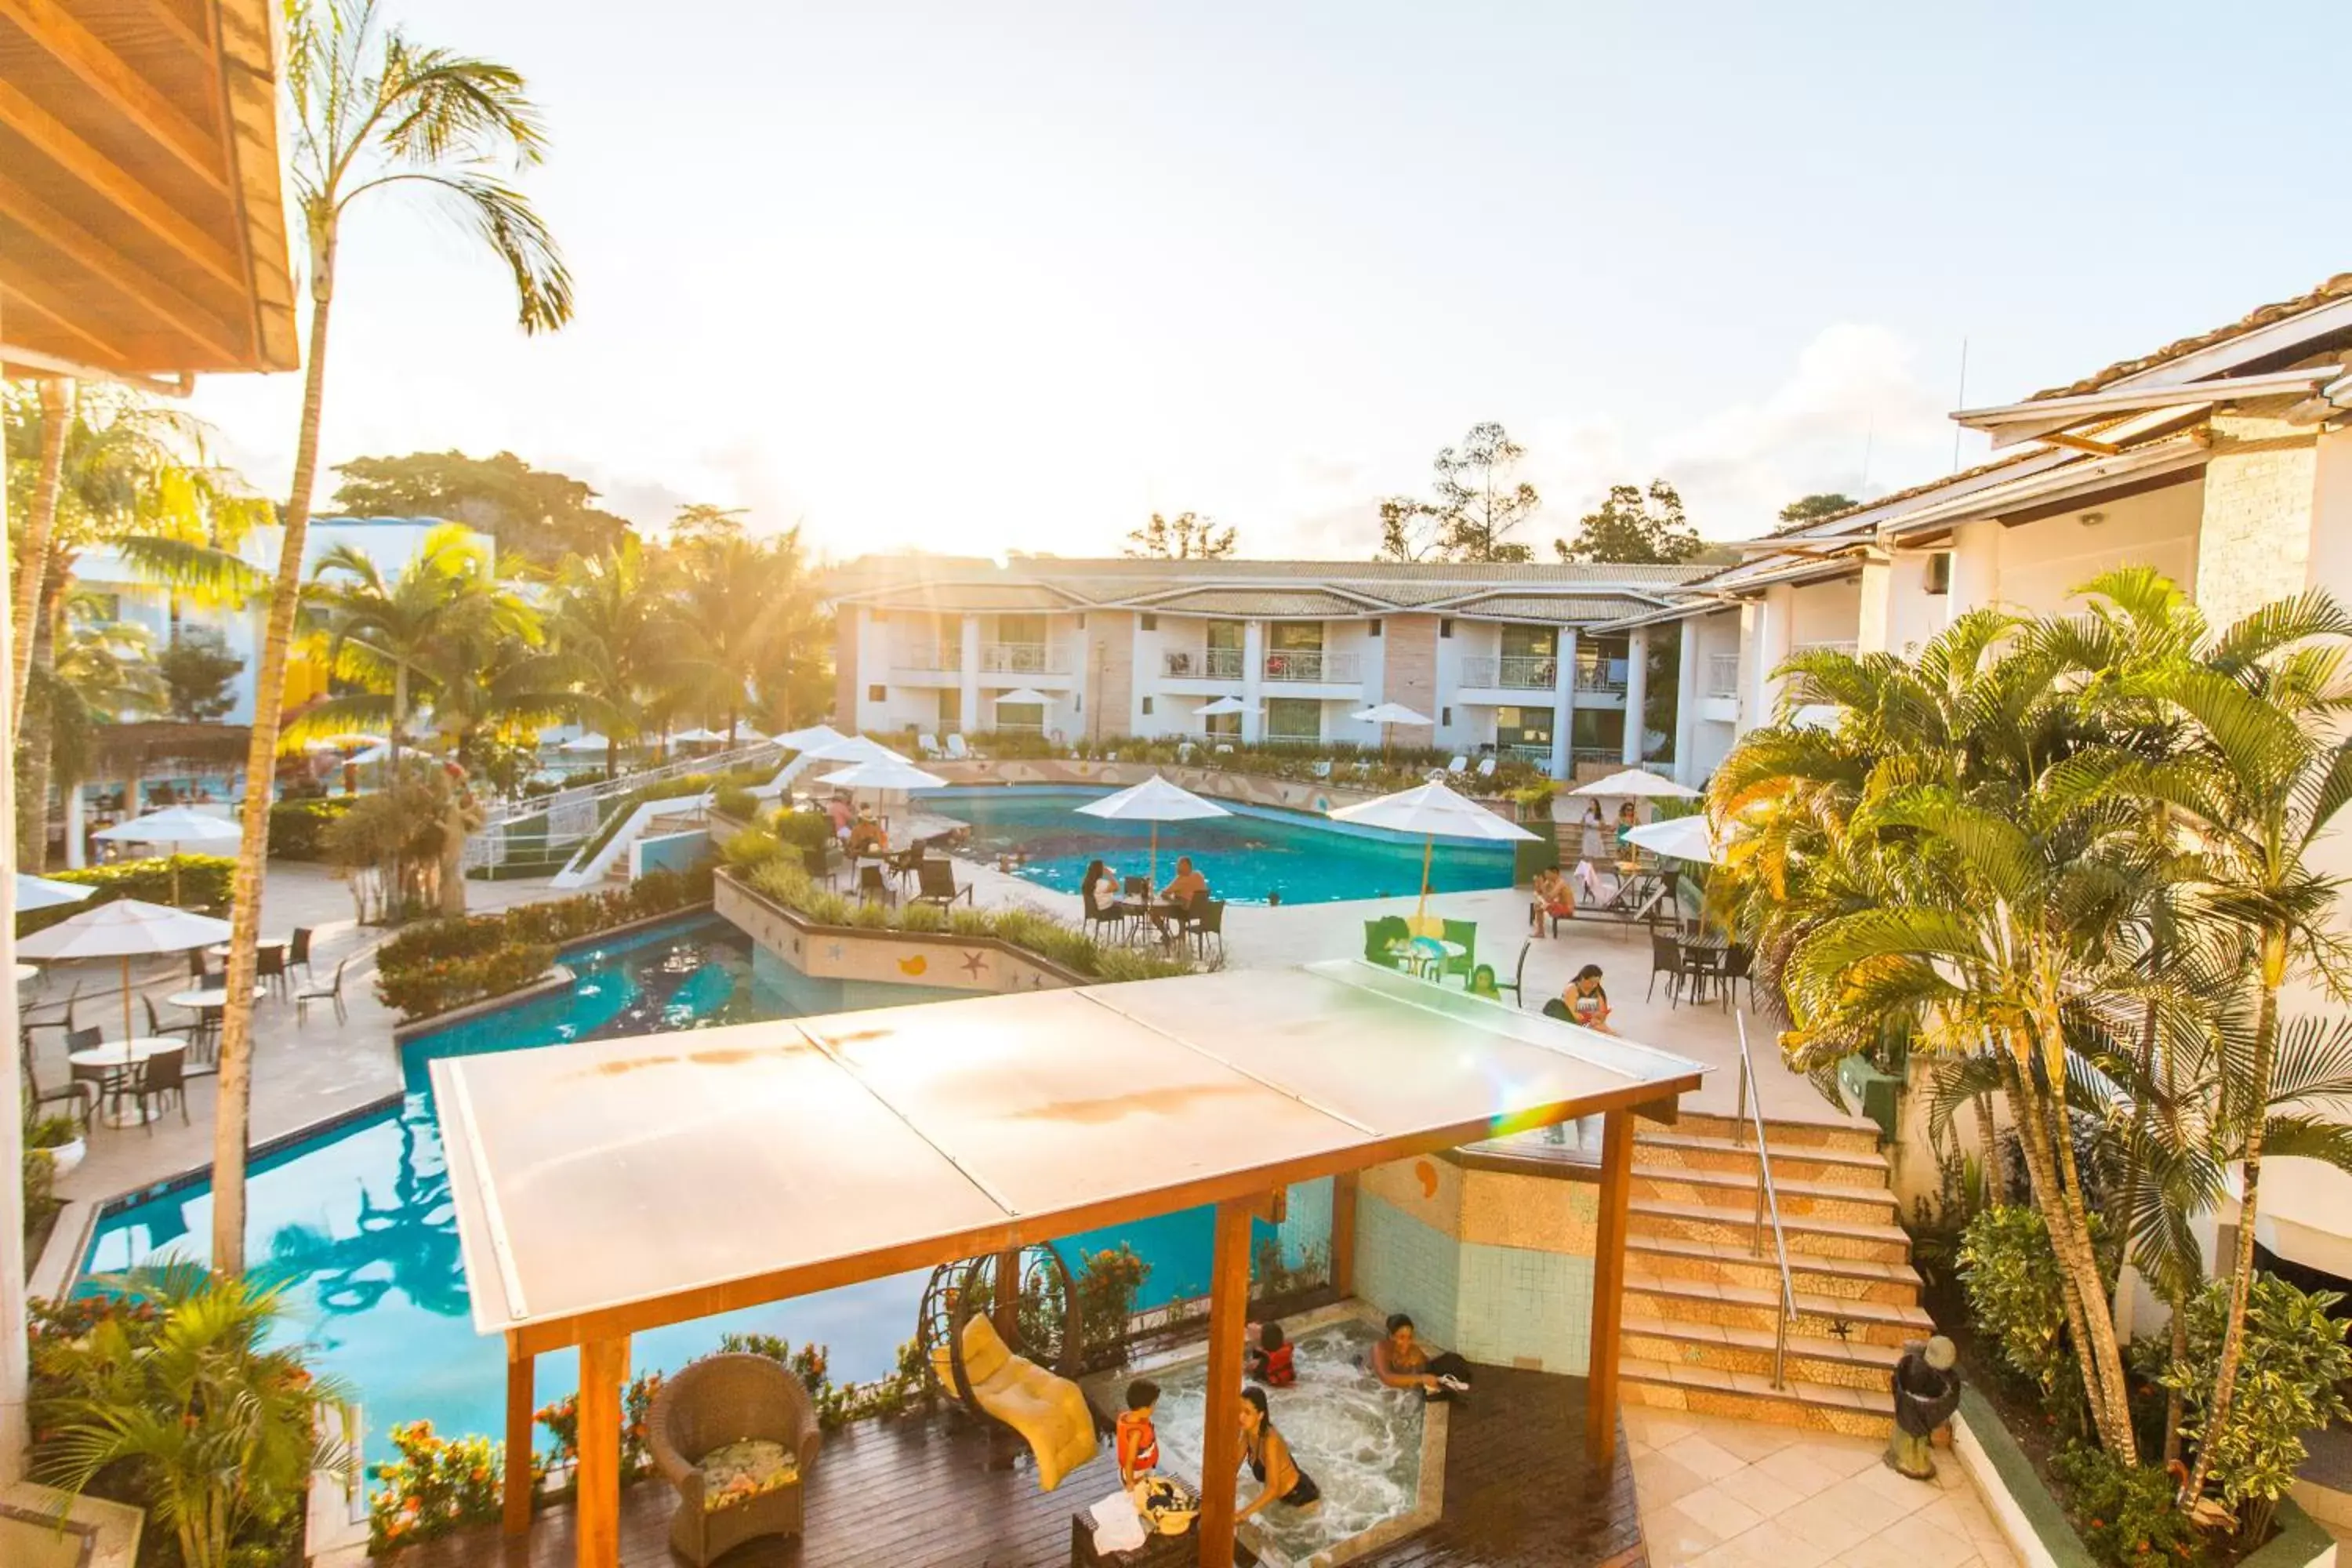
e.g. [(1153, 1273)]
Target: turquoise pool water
[(357, 1221), (1256, 855)]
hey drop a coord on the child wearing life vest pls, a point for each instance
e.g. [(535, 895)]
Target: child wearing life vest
[(1138, 1440), (1269, 1360)]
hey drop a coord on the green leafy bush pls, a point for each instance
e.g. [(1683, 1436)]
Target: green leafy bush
[(1109, 1282), (2290, 1377), (204, 885), (438, 985), (736, 801), (2016, 1296), (2125, 1514), (297, 828), (437, 1485), (804, 829)]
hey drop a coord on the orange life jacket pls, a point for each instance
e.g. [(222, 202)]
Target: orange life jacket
[(1138, 1443)]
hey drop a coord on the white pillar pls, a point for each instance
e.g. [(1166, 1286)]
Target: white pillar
[(1563, 705), (1686, 704), (1254, 679), (75, 827), (14, 1341), (1637, 692), (973, 718), (1771, 647)]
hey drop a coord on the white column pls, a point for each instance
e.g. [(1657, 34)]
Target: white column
[(973, 718), (1686, 704), (1771, 647), (14, 1341), (74, 828), (1563, 705), (1253, 681), (1637, 692), (1976, 567)]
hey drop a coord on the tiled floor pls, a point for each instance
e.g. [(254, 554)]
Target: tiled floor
[(1728, 1494)]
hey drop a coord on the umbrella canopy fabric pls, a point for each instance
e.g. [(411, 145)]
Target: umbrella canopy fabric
[(173, 825), (855, 749), (883, 773), (1635, 784), (1222, 706), (1678, 838), (1389, 713), (41, 893), (809, 739), (125, 929), (1154, 800), (1431, 810), (701, 737), (591, 741), (1024, 695)]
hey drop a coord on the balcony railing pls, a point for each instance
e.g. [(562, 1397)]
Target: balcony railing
[(1024, 659), (1600, 675), (1514, 672), (1722, 675), (1203, 664), (1295, 737), (1540, 755), (949, 658), (1826, 644), (1311, 664)]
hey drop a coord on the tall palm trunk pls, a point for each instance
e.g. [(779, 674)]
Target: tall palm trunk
[(40, 525), (2241, 1261), (35, 740), (233, 1114), (399, 719)]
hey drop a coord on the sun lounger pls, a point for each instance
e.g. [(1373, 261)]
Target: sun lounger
[(930, 745), (957, 750), (1048, 1413), (1486, 767), (1458, 766)]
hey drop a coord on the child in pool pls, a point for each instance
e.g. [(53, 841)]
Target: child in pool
[(1269, 1360)]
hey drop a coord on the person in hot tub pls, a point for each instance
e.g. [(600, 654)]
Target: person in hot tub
[(1280, 1478), (1401, 1361)]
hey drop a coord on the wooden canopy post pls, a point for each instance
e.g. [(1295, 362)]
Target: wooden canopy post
[(515, 1509), (1608, 1289), (1221, 1434), (1004, 1313), (1343, 1233), (604, 1368)]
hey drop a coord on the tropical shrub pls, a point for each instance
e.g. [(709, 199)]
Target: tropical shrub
[(2290, 1381), (41, 1200), (204, 885), (1109, 1282), (437, 1485), (2017, 1297), (562, 1420), (178, 1392), (2126, 1514), (438, 985), (804, 829), (736, 801), (297, 828)]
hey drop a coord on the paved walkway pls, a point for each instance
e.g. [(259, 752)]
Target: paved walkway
[(1730, 1494)]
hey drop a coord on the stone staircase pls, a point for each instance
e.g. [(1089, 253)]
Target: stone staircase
[(1701, 1302)]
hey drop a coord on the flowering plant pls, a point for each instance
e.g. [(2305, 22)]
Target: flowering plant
[(438, 1484)]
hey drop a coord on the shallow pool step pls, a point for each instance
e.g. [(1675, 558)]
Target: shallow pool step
[(1735, 1191), (1679, 1149), (1758, 1306), (1750, 1396), (1735, 1263), (1811, 1358)]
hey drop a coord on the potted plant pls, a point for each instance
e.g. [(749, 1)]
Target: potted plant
[(59, 1137)]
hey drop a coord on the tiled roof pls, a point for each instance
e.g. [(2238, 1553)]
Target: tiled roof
[(1924, 487), (1579, 609), (976, 595), (2337, 287), (1260, 602)]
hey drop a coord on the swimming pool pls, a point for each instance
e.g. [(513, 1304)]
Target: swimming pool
[(1256, 855), (357, 1220)]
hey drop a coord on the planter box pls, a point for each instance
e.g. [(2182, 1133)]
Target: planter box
[(2037, 1528)]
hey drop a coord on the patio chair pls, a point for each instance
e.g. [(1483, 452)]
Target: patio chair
[(269, 969), (1110, 914), (1466, 933), (158, 1029), (298, 951), (1459, 764), (162, 1077), (78, 1098), (935, 883), (736, 1436), (1486, 767), (1666, 959), (872, 883), (930, 745), (196, 964), (101, 1081), (1736, 963), (1699, 963), (1517, 984), (1206, 919), (332, 992), (1379, 937), (957, 750), (64, 1021)]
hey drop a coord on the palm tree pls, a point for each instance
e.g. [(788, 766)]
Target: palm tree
[(371, 112), (426, 633), (55, 399), (612, 620), (745, 608)]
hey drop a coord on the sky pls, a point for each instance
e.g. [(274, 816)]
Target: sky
[(980, 278)]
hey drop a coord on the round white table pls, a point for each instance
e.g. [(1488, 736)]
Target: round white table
[(26, 972), (220, 950), (118, 1057), (209, 996)]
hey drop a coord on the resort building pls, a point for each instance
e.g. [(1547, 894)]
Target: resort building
[(1541, 662)]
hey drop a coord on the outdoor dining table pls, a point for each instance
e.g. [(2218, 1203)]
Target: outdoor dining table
[(204, 997), (1407, 948), (118, 1060), (221, 950), (26, 972)]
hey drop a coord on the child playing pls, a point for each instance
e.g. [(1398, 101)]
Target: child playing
[(1269, 1360), (1138, 1440)]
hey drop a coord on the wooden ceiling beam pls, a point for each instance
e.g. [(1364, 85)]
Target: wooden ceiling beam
[(23, 290), (94, 169), (56, 30), (171, 308), (170, 18)]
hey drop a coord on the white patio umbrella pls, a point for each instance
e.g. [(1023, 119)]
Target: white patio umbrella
[(1024, 695), (855, 749), (1222, 706), (42, 893), (883, 773), (701, 737), (1385, 714), (1435, 812), (1154, 800), (173, 825), (125, 929), (589, 741), (1679, 839), (809, 739), (1637, 783)]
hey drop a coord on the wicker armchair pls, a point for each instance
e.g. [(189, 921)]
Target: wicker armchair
[(717, 1404)]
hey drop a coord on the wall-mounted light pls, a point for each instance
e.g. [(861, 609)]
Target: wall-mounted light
[(2093, 519)]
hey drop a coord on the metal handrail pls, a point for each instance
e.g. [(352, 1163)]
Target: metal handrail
[(1768, 1203)]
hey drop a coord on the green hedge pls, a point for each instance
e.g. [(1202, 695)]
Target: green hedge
[(204, 885), (667, 789), (297, 828)]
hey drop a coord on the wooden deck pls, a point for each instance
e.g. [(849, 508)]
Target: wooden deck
[(917, 1494)]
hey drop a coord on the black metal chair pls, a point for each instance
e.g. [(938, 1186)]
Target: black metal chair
[(334, 994), (269, 969), (162, 1077), (1666, 959), (1205, 920), (298, 951), (935, 883), (872, 883), (1696, 964), (102, 1081), (1110, 914), (1736, 963), (79, 1097), (196, 964), (27, 1019), (158, 1029), (1517, 984)]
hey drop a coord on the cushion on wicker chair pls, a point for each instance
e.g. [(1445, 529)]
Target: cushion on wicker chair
[(738, 1472)]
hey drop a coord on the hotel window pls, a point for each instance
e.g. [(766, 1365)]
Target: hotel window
[(1445, 718), (1293, 719), (1523, 730), (1371, 629), (878, 694), (1296, 637), (1150, 622), (1146, 707), (1939, 573), (1446, 628)]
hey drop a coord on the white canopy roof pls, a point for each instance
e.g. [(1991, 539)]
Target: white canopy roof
[(601, 1187), (1389, 713), (882, 773), (588, 742), (855, 749), (174, 825), (1637, 783), (808, 739), (1154, 800)]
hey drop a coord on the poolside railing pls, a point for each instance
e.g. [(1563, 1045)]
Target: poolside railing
[(1768, 1203)]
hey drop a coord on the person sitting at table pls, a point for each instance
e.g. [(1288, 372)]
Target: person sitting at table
[(1185, 890), (1281, 1480), (1627, 820), (1099, 888), (866, 838), (1585, 1002), (1401, 1361), (1554, 901), (839, 809)]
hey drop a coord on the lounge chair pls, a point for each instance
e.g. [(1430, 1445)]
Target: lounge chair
[(735, 1434), (1460, 764), (1486, 767), (1048, 1413), (930, 745), (1322, 769), (935, 883), (957, 750)]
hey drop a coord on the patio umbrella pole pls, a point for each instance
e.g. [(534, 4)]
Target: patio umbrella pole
[(1428, 845), (126, 997)]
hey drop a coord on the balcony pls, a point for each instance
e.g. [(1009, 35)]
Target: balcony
[(1600, 675), (1722, 677), (1846, 645), (1024, 659), (1202, 663), (1538, 755), (1512, 672), (946, 658), (1313, 665)]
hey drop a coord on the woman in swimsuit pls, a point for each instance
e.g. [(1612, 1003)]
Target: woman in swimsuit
[(1281, 1479)]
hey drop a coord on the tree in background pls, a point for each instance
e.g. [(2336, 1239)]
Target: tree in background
[(1184, 537), (369, 112), (196, 669), (608, 618), (535, 514), (1634, 527), (744, 611), (1813, 508), (1478, 499)]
